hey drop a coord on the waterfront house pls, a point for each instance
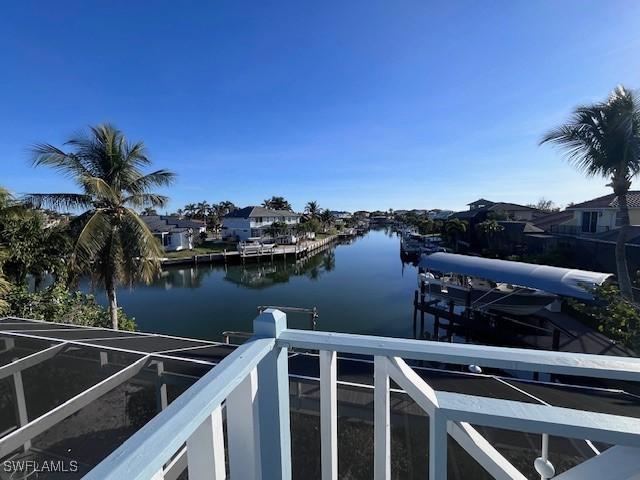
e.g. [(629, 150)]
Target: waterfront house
[(437, 214), (174, 233), (341, 215), (598, 215), (361, 214), (251, 222), (512, 211)]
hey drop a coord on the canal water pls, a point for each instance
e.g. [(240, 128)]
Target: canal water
[(358, 287)]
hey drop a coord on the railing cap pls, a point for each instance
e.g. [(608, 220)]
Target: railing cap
[(270, 323)]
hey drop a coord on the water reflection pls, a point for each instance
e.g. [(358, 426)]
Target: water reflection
[(357, 287)]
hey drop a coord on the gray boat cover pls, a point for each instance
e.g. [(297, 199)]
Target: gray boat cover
[(561, 281)]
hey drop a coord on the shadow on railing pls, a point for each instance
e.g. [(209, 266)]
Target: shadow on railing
[(252, 384)]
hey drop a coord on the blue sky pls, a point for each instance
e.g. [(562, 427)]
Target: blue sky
[(356, 104)]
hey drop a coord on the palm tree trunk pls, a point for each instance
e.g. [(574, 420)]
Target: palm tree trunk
[(113, 303), (624, 280)]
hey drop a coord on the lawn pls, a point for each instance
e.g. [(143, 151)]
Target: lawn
[(204, 248)]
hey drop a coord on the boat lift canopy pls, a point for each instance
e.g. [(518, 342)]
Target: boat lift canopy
[(565, 282)]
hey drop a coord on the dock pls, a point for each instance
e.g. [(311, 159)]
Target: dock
[(544, 330), (257, 253)]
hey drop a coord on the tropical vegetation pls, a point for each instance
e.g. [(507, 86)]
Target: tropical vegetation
[(113, 244), (614, 316), (603, 139), (312, 209), (277, 203)]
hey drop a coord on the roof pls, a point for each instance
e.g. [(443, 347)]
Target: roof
[(253, 212), (609, 201), (168, 224), (467, 214), (514, 226), (546, 221), (509, 206), (561, 281), (481, 201)]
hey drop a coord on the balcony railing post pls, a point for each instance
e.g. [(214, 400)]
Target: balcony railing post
[(273, 399), (205, 449), (437, 446), (328, 415), (243, 429), (382, 420)]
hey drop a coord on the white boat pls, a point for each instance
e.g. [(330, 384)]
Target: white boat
[(481, 294), (415, 244)]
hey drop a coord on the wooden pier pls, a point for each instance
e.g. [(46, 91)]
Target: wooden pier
[(258, 253)]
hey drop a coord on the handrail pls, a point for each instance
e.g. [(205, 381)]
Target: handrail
[(566, 363), (145, 453), (253, 383)]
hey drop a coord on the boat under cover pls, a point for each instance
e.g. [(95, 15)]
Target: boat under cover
[(565, 282)]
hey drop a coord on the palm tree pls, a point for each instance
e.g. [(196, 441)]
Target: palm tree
[(489, 228), (114, 245), (326, 217), (312, 209), (277, 203), (455, 228), (189, 210), (149, 211), (603, 139), (276, 229), (202, 209), (226, 207)]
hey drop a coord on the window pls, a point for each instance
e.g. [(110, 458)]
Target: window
[(589, 222), (618, 218)]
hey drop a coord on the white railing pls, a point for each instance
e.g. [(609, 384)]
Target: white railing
[(253, 385)]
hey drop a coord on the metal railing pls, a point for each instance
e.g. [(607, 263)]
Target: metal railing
[(252, 384)]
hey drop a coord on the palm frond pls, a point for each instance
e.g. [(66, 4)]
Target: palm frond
[(159, 178), (146, 200), (603, 138), (137, 239), (69, 164), (100, 189), (56, 201), (136, 155), (92, 241)]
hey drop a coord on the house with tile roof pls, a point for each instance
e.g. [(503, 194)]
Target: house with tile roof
[(251, 222), (481, 209), (599, 215), (174, 233)]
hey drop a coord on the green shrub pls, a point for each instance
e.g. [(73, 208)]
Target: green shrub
[(58, 304), (612, 315)]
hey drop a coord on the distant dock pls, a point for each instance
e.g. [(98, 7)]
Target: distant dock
[(258, 253)]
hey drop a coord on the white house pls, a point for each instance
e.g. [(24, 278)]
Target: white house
[(599, 215), (251, 222), (174, 233), (341, 215)]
